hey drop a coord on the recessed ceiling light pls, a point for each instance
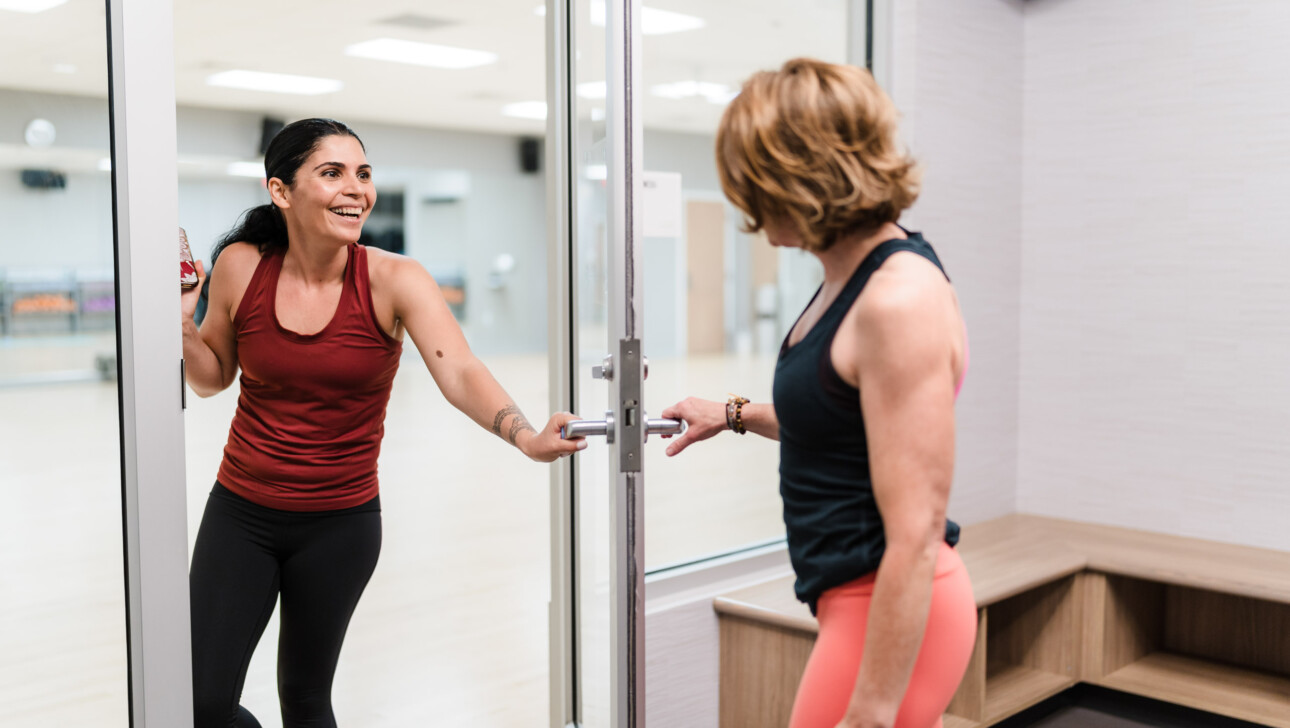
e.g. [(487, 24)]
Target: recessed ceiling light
[(716, 93), (29, 6), (526, 110), (65, 68), (417, 22), (281, 83), (662, 22), (653, 20), (246, 169), (420, 54)]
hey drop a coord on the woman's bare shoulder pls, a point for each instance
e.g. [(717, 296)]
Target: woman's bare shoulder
[(240, 255), (905, 281), (384, 267), (235, 266)]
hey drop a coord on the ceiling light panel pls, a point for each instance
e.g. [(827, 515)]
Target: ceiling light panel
[(653, 20), (246, 169), (280, 83), (526, 110), (29, 6), (662, 22), (715, 93), (417, 22), (420, 54)]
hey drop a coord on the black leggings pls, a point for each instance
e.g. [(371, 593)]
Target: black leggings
[(247, 555)]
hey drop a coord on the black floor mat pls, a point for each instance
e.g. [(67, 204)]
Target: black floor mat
[(1089, 706)]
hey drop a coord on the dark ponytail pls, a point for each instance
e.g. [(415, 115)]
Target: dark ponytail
[(289, 149), (261, 226)]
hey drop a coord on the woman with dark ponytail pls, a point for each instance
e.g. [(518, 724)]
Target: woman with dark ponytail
[(315, 323)]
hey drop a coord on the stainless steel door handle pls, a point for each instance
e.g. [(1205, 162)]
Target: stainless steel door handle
[(605, 428), (590, 428)]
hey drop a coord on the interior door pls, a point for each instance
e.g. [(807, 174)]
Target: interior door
[(607, 364)]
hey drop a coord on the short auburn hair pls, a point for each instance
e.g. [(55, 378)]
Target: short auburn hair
[(814, 145)]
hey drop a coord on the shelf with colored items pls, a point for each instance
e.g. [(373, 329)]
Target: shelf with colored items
[(57, 301)]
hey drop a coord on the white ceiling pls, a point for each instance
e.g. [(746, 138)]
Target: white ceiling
[(63, 50)]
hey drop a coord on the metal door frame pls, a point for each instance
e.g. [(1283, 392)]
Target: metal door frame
[(627, 571), (868, 44), (145, 198)]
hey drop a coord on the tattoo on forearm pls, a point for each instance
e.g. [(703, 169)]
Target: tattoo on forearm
[(501, 415), (518, 425)]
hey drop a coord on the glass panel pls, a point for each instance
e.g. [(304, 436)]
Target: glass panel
[(63, 658), (718, 302), (453, 627), (591, 296)]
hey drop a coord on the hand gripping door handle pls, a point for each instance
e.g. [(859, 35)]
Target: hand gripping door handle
[(660, 426), (605, 428)]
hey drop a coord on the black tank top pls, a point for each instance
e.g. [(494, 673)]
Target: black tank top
[(835, 532)]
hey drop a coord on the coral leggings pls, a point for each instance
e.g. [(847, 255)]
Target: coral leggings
[(843, 613)]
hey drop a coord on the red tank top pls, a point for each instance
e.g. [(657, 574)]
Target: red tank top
[(311, 413)]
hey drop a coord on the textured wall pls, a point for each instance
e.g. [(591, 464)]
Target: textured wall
[(957, 78), (1155, 360)]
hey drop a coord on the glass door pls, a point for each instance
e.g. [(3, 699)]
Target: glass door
[(597, 72), (64, 657), (719, 303)]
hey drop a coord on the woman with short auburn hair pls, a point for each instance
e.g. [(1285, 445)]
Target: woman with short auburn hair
[(864, 397), (814, 146)]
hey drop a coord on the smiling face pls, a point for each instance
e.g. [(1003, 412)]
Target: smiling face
[(332, 194)]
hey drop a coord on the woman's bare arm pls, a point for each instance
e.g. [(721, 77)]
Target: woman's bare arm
[(705, 418), (905, 367), (464, 380), (210, 353)]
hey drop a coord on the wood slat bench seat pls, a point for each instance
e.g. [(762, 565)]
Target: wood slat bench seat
[(1193, 622)]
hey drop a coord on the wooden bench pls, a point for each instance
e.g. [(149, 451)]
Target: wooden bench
[(1191, 622)]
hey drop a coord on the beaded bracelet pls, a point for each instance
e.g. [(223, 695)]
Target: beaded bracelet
[(735, 414)]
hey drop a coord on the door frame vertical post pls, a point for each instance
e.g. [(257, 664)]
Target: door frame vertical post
[(145, 198), (627, 534), (562, 347)]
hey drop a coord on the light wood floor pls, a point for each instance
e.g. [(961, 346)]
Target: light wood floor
[(453, 628)]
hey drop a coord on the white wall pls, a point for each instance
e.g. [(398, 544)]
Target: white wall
[(957, 79), (56, 229), (1155, 360), (68, 228)]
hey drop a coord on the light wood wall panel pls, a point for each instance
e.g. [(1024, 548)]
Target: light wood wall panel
[(705, 230)]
